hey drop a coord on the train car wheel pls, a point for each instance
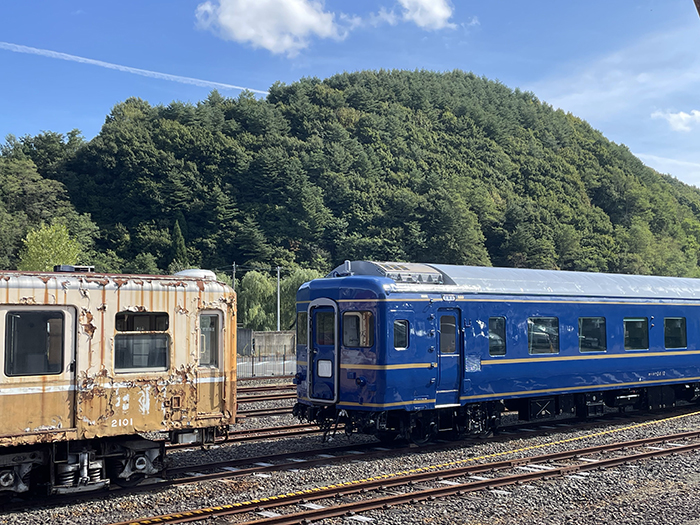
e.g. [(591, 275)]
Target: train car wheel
[(420, 433)]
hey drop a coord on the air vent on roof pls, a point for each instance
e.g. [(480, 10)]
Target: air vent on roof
[(198, 274), (73, 268)]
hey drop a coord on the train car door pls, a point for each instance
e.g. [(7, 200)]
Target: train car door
[(449, 357), (323, 350), (212, 364), (37, 390)]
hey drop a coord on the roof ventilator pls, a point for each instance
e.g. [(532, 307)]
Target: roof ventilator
[(73, 268)]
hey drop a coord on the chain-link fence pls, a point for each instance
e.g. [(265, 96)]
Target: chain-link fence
[(265, 354)]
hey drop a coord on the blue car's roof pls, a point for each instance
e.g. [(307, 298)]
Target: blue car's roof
[(518, 281)]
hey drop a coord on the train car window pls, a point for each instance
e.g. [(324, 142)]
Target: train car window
[(358, 329), (674, 332), (34, 343), (543, 335), (400, 334), (497, 336), (636, 333), (136, 351), (302, 328), (448, 334), (141, 322), (325, 328), (209, 340), (591, 334)]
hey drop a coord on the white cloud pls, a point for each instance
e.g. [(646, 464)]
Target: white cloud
[(680, 121), (125, 69), (288, 26), (688, 172), (280, 26), (641, 76), (383, 17), (473, 21), (428, 14)]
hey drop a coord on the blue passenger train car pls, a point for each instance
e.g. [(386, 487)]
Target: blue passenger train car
[(404, 349)]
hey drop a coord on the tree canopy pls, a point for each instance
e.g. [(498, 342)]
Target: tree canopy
[(385, 165)]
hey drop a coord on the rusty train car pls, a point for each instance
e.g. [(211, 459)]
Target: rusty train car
[(93, 363)]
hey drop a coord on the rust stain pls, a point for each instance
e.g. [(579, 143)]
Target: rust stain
[(175, 284), (85, 321), (136, 309), (27, 300), (45, 278), (101, 282)]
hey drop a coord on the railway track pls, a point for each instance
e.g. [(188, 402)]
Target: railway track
[(263, 412), (249, 395), (267, 388), (442, 480)]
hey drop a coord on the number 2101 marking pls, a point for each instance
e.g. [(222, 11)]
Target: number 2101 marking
[(126, 422)]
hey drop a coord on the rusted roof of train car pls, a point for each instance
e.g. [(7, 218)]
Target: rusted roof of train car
[(81, 280)]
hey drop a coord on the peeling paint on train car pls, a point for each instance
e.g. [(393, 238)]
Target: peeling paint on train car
[(73, 387)]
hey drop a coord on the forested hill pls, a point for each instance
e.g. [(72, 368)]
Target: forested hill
[(388, 165)]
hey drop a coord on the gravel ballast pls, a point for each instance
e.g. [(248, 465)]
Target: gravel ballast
[(665, 490)]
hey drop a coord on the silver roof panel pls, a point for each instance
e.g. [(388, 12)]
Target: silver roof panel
[(519, 281)]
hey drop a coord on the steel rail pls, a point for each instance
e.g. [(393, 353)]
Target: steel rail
[(350, 509), (265, 388), (263, 378), (393, 481), (265, 397), (263, 412)]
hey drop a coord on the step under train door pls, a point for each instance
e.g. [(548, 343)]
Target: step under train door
[(323, 345)]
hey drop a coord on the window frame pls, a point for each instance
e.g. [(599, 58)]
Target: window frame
[(625, 320), (503, 336), (133, 336), (302, 327), (530, 335), (325, 315), (586, 350), (218, 335), (685, 333), (65, 328), (407, 326), (453, 336), (361, 315), (123, 319)]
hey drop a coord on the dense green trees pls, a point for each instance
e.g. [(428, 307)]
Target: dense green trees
[(384, 165), (28, 202), (48, 246)]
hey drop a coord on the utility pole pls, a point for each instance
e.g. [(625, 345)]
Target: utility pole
[(278, 298), (234, 277)]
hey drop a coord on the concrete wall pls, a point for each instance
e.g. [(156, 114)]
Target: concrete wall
[(266, 343), (275, 343)]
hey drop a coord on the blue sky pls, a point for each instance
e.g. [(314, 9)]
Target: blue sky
[(629, 67)]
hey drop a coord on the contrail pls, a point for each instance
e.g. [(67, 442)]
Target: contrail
[(126, 69)]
